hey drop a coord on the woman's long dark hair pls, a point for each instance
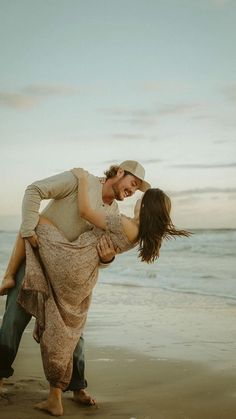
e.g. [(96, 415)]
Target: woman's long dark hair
[(155, 224)]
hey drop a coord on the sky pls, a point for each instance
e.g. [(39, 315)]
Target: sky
[(92, 83)]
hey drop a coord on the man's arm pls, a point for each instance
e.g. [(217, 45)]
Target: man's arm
[(54, 187)]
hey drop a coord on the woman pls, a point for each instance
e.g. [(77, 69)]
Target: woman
[(60, 276)]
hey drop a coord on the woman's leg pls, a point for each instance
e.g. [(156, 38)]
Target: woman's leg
[(53, 404), (17, 257)]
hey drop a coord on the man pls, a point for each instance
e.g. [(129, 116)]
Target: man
[(121, 182)]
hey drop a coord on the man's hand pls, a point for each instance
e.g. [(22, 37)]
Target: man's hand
[(106, 250), (33, 240)]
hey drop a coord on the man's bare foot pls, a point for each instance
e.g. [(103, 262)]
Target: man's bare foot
[(52, 406), (81, 396), (7, 283)]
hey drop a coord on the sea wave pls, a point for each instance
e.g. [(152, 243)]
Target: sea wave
[(203, 264), (174, 289)]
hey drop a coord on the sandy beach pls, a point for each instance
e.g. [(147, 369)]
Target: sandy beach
[(150, 354)]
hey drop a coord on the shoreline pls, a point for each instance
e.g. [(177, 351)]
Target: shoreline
[(163, 324), (150, 354), (126, 385)]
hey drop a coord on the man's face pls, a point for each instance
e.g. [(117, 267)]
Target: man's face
[(125, 187)]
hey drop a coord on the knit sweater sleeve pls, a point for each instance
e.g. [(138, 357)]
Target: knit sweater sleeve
[(54, 187)]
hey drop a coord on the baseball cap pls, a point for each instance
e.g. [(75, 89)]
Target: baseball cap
[(136, 169)]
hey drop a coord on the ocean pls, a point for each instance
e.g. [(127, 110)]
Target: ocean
[(203, 264)]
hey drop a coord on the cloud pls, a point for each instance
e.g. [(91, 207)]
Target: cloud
[(201, 191), (128, 136), (32, 95), (157, 86), (51, 90), (220, 141), (179, 109), (17, 101), (204, 166), (152, 116), (206, 116), (129, 116)]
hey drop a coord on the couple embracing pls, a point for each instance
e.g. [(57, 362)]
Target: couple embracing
[(56, 259)]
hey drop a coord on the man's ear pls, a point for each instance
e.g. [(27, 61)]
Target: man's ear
[(120, 173)]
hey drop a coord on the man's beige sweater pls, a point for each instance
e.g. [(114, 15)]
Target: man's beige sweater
[(62, 209)]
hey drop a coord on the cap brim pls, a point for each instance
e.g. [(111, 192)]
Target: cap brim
[(144, 186)]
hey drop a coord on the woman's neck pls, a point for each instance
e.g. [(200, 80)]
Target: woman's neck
[(135, 220)]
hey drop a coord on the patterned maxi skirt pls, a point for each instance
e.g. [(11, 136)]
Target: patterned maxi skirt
[(57, 291)]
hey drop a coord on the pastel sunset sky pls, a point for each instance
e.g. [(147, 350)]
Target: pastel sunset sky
[(92, 83)]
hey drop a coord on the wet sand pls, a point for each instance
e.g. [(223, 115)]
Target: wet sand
[(192, 378)]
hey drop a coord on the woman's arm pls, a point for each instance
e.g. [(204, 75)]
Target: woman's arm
[(98, 218)]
